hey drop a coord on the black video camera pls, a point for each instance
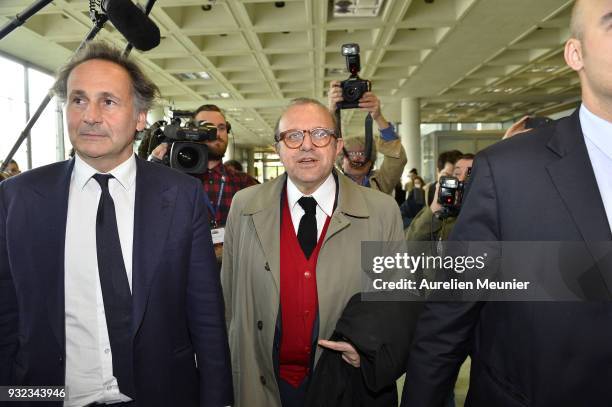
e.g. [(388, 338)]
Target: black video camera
[(354, 87), (450, 195), (187, 153)]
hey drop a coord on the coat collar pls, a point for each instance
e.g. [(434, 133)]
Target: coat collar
[(573, 177), (350, 200)]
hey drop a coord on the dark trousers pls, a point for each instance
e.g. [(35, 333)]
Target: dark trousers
[(291, 396)]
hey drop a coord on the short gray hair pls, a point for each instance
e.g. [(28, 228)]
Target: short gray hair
[(577, 21), (144, 90)]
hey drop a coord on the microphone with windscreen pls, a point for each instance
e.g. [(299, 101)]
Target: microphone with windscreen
[(133, 23)]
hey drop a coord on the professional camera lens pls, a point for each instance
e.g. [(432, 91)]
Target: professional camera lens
[(352, 93), (188, 157)]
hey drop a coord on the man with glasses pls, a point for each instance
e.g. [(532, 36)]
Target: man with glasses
[(291, 260), (219, 183), (355, 163)]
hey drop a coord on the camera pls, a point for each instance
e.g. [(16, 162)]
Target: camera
[(187, 154), (450, 195), (354, 87)]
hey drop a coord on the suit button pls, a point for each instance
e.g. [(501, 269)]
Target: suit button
[(307, 274), (267, 267), (262, 380), (259, 325)]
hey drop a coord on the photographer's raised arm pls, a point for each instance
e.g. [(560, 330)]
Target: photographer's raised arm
[(334, 95), (370, 103)]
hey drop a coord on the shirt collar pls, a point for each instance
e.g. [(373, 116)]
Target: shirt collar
[(597, 130), (125, 173), (324, 195)]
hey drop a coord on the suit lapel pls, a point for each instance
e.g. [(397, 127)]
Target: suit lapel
[(47, 212), (574, 179), (153, 209)]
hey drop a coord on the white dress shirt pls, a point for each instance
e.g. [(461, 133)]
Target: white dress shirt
[(324, 195), (598, 138), (89, 362)]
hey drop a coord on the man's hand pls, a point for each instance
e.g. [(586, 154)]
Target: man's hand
[(435, 205), (160, 151), (371, 104), (349, 354), (516, 128), (334, 95)]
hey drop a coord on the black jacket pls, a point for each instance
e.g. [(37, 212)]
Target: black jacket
[(539, 186), (382, 333)]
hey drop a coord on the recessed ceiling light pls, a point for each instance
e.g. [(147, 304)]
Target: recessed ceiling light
[(224, 95), (206, 7)]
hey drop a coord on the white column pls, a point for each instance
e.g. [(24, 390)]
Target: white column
[(230, 152), (410, 134), (155, 114)]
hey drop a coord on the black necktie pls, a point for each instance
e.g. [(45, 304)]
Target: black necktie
[(115, 288), (307, 232)]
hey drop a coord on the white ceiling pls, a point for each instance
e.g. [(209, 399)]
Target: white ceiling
[(466, 60)]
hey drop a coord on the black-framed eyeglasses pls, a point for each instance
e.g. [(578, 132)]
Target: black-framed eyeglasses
[(294, 138)]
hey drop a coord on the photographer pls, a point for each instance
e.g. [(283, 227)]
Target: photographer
[(354, 162), (426, 225), (219, 183)]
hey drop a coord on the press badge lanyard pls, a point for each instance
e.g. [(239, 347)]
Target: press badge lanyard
[(215, 210)]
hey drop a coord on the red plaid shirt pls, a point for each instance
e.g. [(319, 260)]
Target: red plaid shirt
[(234, 182)]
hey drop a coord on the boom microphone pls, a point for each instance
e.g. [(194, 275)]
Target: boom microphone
[(130, 21)]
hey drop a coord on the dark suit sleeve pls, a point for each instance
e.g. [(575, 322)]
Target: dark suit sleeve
[(445, 330), (8, 304), (205, 313)]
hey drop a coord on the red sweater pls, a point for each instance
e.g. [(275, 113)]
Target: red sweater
[(298, 298)]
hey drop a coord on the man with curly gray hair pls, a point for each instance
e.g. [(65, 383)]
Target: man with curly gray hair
[(112, 289)]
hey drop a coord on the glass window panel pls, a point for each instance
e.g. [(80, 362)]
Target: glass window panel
[(12, 109), (44, 132)]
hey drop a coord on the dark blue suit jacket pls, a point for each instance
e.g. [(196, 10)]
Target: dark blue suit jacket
[(177, 299), (539, 186)]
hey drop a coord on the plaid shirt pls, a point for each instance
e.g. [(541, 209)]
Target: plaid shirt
[(234, 182)]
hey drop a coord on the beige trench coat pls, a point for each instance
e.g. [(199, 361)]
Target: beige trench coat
[(251, 274)]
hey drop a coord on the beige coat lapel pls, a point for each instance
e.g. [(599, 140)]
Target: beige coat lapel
[(265, 211), (350, 202)]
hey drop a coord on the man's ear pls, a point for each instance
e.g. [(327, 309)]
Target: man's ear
[(573, 54), (339, 146), (141, 120)]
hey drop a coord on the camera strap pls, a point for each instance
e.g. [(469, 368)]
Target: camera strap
[(369, 136)]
